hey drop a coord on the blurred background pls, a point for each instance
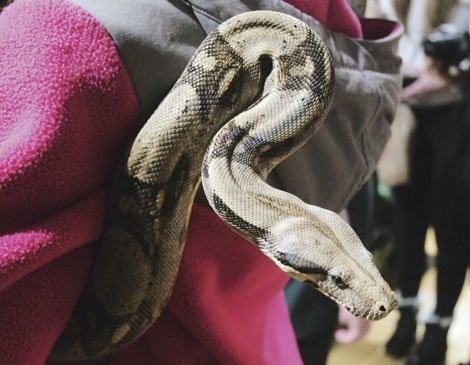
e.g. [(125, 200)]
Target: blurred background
[(421, 18)]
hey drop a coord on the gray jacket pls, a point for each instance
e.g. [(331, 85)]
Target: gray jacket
[(156, 38)]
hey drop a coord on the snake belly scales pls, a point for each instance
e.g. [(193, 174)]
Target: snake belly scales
[(256, 89)]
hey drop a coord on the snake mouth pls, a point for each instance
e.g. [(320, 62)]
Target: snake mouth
[(315, 284), (371, 315), (380, 309)]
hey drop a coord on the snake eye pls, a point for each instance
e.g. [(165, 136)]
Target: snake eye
[(340, 283)]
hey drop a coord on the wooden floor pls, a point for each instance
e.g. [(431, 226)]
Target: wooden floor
[(371, 350)]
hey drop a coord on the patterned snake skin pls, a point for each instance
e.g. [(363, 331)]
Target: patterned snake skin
[(258, 87)]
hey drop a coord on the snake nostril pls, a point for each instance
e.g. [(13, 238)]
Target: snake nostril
[(382, 308)]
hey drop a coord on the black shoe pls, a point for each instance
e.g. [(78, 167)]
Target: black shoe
[(404, 337), (433, 347)]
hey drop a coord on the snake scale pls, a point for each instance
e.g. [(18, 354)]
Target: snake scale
[(256, 89)]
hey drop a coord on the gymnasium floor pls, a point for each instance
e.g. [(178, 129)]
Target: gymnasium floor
[(371, 350)]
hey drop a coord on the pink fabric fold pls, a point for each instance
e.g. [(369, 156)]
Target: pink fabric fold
[(64, 99), (27, 249), (378, 28), (67, 110), (335, 15), (35, 309)]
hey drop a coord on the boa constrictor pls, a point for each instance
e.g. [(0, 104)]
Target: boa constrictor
[(257, 89)]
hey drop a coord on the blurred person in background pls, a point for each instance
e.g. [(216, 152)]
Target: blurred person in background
[(437, 194)]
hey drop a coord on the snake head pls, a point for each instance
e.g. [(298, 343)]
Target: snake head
[(324, 252)]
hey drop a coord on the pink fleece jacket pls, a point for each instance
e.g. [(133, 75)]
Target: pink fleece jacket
[(67, 111)]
